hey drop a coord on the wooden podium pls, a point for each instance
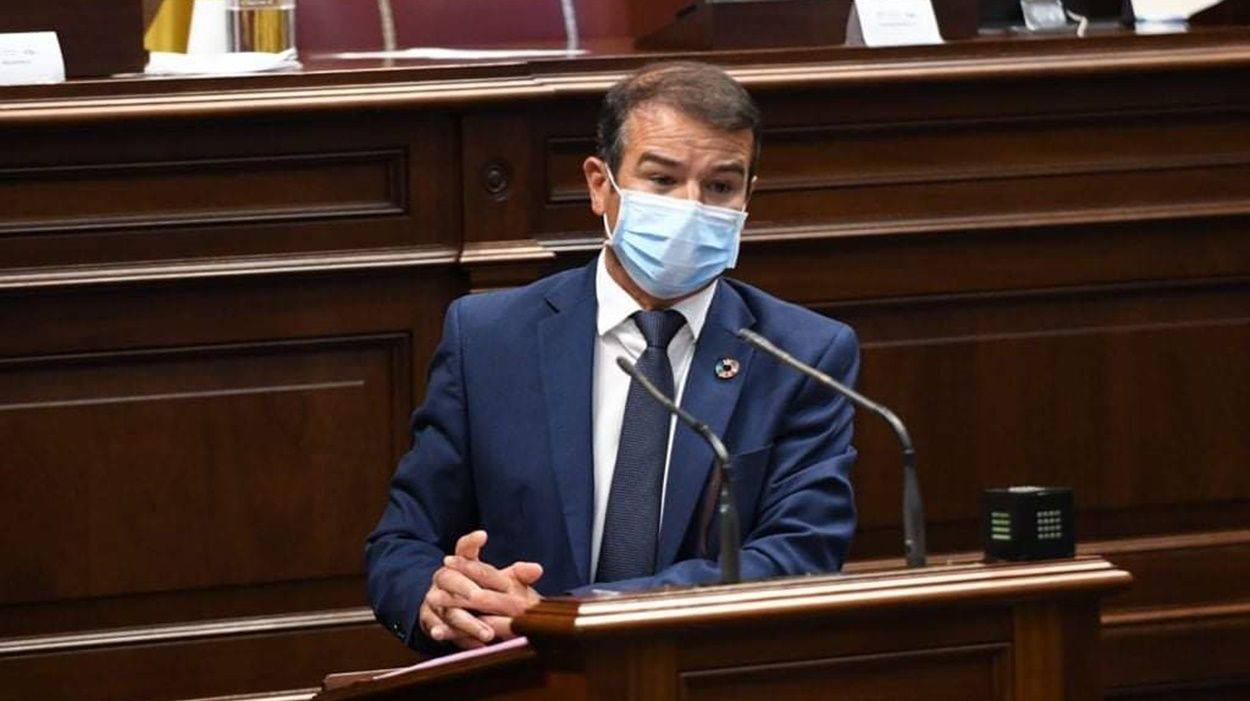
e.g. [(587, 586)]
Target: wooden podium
[(1024, 632)]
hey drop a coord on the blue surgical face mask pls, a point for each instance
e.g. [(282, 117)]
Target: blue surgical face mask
[(672, 247)]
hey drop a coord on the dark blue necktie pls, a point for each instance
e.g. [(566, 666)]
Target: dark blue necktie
[(632, 522)]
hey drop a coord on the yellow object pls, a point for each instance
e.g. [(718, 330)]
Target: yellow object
[(170, 27), (263, 28)]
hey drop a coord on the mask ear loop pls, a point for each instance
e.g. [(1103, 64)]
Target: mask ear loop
[(746, 202), (621, 196)]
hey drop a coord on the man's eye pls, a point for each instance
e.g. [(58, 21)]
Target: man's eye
[(662, 180), (721, 188)]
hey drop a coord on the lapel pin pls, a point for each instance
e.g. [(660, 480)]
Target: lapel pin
[(726, 368)]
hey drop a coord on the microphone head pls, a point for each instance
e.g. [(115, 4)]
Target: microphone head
[(625, 365)]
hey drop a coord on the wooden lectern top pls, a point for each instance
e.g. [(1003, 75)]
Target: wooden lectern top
[(1020, 630), (797, 597)]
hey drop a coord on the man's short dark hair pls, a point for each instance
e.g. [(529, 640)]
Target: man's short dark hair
[(696, 90)]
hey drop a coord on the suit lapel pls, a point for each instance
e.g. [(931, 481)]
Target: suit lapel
[(711, 400), (566, 356)]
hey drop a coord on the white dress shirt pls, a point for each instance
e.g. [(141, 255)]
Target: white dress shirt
[(618, 335)]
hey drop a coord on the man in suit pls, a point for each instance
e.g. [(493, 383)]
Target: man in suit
[(539, 468)]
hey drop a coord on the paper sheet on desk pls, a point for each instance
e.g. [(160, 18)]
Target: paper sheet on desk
[(1169, 10), (30, 58), (458, 657), (434, 53), (162, 63)]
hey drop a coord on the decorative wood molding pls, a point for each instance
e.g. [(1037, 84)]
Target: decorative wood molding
[(827, 69), (1032, 220), (388, 198), (243, 102), (1182, 541), (149, 355), (182, 632), (1174, 614), (1101, 548), (959, 298), (290, 695), (955, 63), (243, 266), (968, 168), (171, 396), (754, 236), (504, 252), (1070, 332), (852, 593), (673, 605)]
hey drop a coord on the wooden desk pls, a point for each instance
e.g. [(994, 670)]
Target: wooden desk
[(1025, 632), (219, 297)]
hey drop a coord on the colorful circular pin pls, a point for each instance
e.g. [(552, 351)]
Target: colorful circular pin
[(726, 368)]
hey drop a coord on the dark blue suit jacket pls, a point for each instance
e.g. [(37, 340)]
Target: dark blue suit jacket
[(503, 442)]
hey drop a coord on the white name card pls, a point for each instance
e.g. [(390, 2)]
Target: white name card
[(1169, 10), (30, 58), (895, 22)]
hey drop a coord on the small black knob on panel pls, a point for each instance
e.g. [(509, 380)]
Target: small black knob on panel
[(497, 180)]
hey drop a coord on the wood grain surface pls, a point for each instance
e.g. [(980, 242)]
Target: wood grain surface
[(219, 297)]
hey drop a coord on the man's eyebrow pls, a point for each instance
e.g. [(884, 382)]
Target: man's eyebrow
[(651, 156), (734, 166), (730, 167)]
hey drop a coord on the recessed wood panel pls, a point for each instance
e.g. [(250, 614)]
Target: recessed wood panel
[(1011, 201), (192, 468), (992, 149), (1207, 690), (218, 191), (200, 669), (867, 633), (1174, 577), (1182, 652), (956, 674), (863, 155), (1134, 399), (1011, 171), (211, 188)]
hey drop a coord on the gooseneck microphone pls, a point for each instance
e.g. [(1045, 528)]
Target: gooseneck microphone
[(913, 511), (730, 531)]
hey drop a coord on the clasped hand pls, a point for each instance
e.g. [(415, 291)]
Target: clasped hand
[(471, 603)]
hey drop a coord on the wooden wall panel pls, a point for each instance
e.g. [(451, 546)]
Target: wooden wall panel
[(219, 298), (159, 190), (209, 448), (1092, 389), (1180, 632), (958, 155), (1149, 658), (957, 673), (199, 667), (209, 191), (1022, 167), (158, 475), (1193, 574)]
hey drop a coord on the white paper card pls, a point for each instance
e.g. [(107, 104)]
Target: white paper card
[(163, 63), (897, 22), (30, 58), (434, 53), (1169, 10)]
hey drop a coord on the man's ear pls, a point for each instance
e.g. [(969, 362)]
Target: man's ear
[(595, 171), (750, 190)]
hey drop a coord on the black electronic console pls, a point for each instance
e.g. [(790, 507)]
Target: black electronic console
[(1028, 523)]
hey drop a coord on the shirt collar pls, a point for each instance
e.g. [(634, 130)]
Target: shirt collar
[(616, 305)]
